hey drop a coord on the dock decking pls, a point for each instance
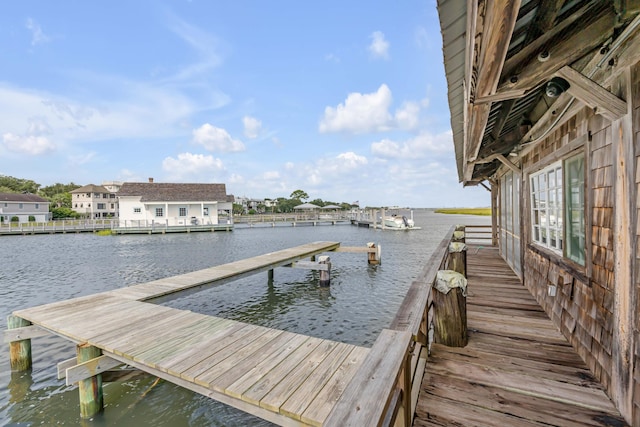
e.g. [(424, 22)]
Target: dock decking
[(283, 377), (517, 370)]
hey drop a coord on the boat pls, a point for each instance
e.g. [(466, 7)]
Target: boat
[(397, 221)]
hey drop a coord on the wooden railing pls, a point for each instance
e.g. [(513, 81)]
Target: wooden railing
[(480, 234), (385, 389)]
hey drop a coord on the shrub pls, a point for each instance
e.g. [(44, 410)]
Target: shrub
[(15, 219), (32, 218)]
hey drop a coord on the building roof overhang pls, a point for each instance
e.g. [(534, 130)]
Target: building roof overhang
[(499, 56)]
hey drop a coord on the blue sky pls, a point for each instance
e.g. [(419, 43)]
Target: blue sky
[(344, 100)]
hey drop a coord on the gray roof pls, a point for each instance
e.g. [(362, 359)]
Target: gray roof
[(91, 188), (22, 197), (161, 192)]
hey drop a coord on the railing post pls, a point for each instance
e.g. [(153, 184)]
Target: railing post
[(457, 260), (374, 258), (450, 304), (19, 351)]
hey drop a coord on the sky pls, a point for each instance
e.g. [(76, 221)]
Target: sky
[(345, 100)]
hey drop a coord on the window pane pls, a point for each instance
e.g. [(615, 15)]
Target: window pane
[(575, 231)]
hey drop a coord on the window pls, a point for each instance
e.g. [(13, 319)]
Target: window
[(37, 205), (112, 196), (182, 212), (550, 209), (105, 196), (159, 212), (113, 206), (546, 206), (205, 211), (138, 210), (574, 213), (101, 206), (20, 206), (96, 195)]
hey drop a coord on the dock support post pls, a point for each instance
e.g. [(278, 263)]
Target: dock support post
[(270, 275), (457, 258), (19, 351), (458, 236), (325, 275), (91, 400), (450, 309), (374, 258)]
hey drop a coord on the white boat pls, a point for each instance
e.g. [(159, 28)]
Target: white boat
[(398, 221)]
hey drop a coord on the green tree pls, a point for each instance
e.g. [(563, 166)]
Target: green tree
[(9, 184), (237, 209), (62, 213), (299, 195), (52, 190), (318, 202)]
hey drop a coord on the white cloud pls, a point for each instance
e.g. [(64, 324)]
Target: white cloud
[(28, 144), (216, 139), (188, 164), (82, 159), (362, 113), (407, 117), (37, 35), (359, 113), (330, 57), (271, 175), (252, 127), (421, 146), (379, 47)]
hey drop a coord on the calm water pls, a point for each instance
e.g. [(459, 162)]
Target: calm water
[(361, 301)]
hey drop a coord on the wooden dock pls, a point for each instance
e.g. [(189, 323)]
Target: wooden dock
[(283, 377), (517, 370)]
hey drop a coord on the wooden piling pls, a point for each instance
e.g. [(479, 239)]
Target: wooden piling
[(91, 400), (270, 275), (374, 258), (458, 236), (457, 260), (450, 304), (19, 351), (325, 275)]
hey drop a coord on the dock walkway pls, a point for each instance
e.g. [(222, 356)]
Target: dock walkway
[(280, 376), (517, 370)]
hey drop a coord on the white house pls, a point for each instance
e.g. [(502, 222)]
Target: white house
[(94, 201), (26, 207), (144, 204)]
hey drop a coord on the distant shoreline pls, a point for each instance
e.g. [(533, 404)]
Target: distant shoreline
[(465, 211)]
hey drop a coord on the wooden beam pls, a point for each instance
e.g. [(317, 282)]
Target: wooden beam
[(593, 95), (508, 164), (308, 265), (497, 97), (564, 52), (517, 61), (24, 333), (498, 19), (90, 368)]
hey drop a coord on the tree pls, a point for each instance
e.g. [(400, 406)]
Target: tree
[(237, 209), (52, 190), (318, 202), (62, 213), (299, 195), (9, 184)]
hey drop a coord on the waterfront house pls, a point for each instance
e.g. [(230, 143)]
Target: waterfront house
[(544, 98), (24, 206), (94, 201), (151, 203)]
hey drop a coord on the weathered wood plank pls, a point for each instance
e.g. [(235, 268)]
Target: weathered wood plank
[(23, 333), (365, 400)]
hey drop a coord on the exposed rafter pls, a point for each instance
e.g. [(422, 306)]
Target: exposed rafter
[(591, 33), (593, 95)]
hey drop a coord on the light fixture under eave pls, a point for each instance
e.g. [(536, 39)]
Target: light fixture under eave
[(556, 86)]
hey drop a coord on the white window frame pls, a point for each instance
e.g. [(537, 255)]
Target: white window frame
[(547, 210), (137, 210), (205, 211), (182, 211), (159, 212)]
